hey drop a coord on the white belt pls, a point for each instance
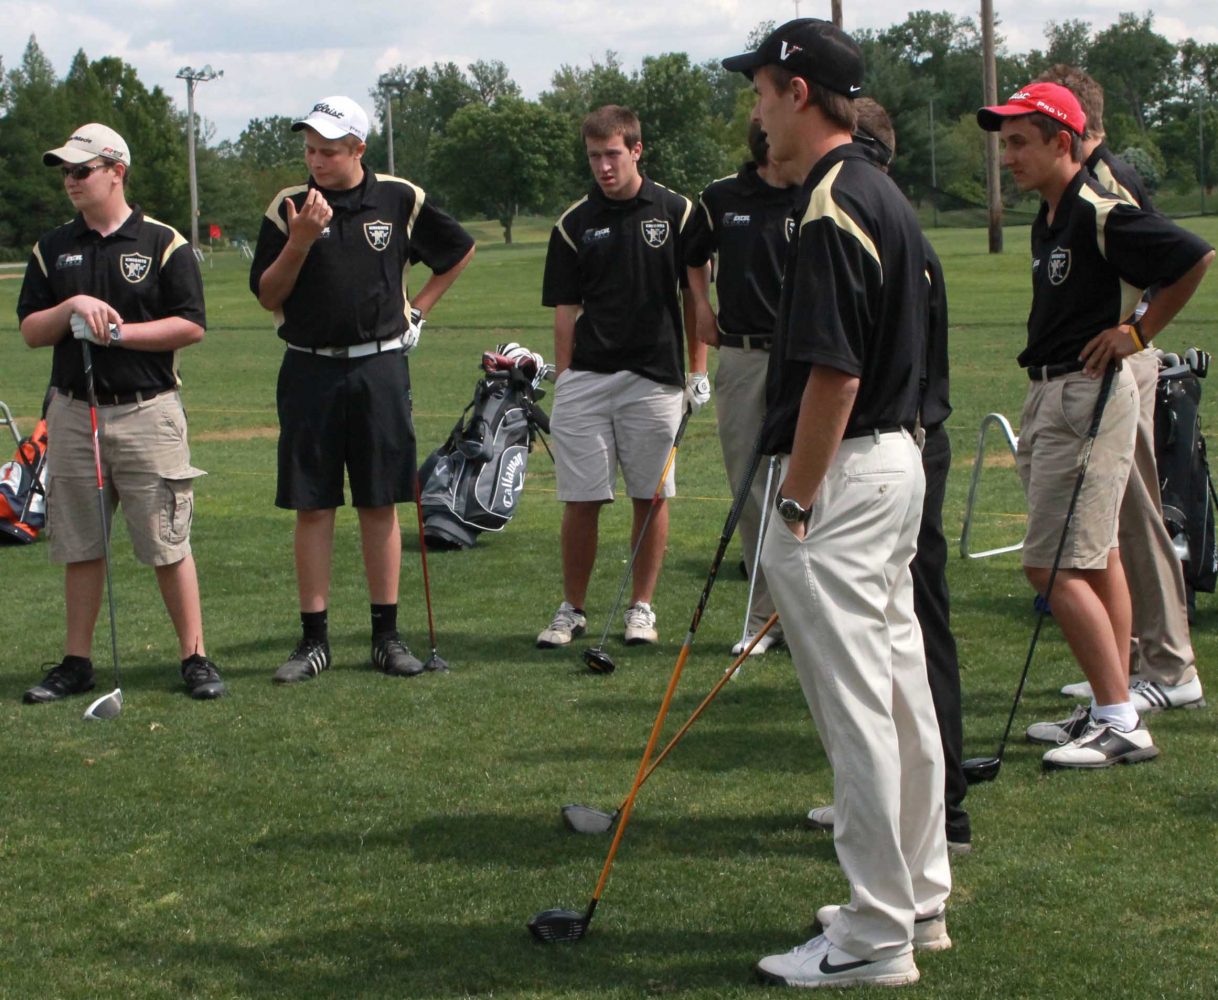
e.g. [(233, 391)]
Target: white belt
[(356, 350)]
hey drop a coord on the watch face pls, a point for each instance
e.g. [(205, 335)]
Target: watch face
[(789, 510)]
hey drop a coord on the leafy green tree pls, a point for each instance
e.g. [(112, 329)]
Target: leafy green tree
[(1069, 42), (492, 82), (1135, 66)]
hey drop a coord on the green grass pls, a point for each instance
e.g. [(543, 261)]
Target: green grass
[(368, 837)]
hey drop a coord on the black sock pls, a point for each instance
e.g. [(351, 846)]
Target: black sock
[(316, 625), (384, 619), (78, 662), (194, 658)]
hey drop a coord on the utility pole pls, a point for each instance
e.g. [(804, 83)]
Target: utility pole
[(1201, 145), (837, 13), (989, 80), (389, 128), (194, 77)]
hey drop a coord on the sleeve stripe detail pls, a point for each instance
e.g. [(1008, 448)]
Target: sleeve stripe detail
[(1104, 174), (822, 206), (563, 218), (272, 211), (178, 239), (42, 264), (419, 197), (1103, 206)]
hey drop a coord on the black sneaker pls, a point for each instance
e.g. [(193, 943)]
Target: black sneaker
[(308, 659), (202, 678), (61, 680), (391, 656)]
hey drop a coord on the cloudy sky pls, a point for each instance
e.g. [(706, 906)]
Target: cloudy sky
[(278, 58)]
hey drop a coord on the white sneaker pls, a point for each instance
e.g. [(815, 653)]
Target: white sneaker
[(1151, 696), (766, 642), (930, 932), (640, 624), (820, 818), (1062, 731), (568, 624), (819, 962), (1103, 745)]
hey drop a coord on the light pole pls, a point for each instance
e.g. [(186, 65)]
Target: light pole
[(192, 78)]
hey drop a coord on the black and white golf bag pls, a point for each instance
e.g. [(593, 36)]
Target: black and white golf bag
[(1184, 472), (473, 482)]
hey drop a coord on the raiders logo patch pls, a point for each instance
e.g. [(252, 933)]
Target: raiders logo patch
[(1059, 266), (655, 232), (378, 234), (135, 266)]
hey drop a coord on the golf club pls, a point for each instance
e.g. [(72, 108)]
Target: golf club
[(584, 819), (435, 661), (748, 608), (570, 925), (978, 769), (109, 705), (595, 657)]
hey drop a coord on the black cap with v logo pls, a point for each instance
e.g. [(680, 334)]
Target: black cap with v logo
[(811, 48)]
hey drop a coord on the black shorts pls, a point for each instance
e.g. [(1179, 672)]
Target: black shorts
[(336, 413)]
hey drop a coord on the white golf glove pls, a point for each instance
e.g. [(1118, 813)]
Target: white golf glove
[(697, 390), (410, 340), (82, 331)]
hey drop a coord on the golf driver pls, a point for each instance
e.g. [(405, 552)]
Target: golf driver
[(584, 819), (109, 705), (571, 925), (978, 769), (435, 661), (595, 657), (748, 608)]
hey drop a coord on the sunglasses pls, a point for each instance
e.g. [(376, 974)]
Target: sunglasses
[(81, 172)]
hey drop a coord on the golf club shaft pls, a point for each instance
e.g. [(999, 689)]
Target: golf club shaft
[(765, 509), (729, 528), (87, 358), (1097, 416), (655, 502), (418, 506)]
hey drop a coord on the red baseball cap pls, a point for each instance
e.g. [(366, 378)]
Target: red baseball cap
[(1050, 99)]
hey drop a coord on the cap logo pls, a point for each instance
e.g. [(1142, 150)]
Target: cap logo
[(788, 50), (378, 234), (135, 266), (323, 108), (1059, 266), (655, 232)]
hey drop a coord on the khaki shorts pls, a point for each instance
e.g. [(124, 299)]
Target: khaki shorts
[(600, 421), (1053, 429), (145, 468)]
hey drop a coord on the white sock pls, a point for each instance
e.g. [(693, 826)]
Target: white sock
[(1123, 716)]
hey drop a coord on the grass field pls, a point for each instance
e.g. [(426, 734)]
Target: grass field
[(362, 836)]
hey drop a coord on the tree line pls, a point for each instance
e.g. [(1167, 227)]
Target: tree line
[(479, 148)]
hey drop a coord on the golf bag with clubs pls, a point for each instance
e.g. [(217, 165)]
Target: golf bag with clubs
[(1184, 472), (23, 490), (472, 483)]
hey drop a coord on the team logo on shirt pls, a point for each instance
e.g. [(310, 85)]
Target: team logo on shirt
[(736, 219), (135, 266), (378, 234), (790, 227), (655, 232), (65, 260), (593, 235), (1059, 266)]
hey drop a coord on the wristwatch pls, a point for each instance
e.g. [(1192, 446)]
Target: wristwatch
[(790, 510)]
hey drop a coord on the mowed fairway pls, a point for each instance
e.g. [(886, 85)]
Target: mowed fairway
[(361, 836)]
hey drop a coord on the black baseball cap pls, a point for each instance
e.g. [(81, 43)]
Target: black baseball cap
[(811, 48)]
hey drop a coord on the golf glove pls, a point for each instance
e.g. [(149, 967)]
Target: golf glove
[(1198, 360), (414, 329), (82, 331), (697, 391)]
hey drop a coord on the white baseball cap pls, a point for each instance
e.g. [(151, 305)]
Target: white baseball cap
[(87, 142), (335, 117)]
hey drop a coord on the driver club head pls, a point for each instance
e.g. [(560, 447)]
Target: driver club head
[(598, 661), (978, 769), (435, 662), (585, 819), (550, 926), (107, 706)]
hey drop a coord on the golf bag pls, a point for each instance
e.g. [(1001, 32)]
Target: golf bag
[(1184, 472), (23, 499), (472, 483)]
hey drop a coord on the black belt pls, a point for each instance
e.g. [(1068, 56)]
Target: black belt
[(877, 431), (1042, 373), (745, 343), (120, 398)]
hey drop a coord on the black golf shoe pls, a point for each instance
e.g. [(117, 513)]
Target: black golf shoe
[(391, 656), (62, 680), (308, 659), (202, 678)]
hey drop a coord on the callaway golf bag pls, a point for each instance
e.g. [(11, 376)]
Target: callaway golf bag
[(472, 483), (1184, 473), (23, 489)]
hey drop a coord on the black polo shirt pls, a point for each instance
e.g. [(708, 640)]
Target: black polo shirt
[(145, 270), (748, 223), (352, 286), (854, 298), (1091, 265), (624, 262), (1117, 176)]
